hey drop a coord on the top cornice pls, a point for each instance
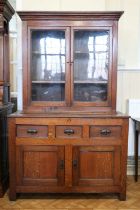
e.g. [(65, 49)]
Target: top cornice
[(6, 10), (67, 15)]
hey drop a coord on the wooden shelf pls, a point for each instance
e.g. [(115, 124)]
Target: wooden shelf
[(81, 52), (90, 82), (47, 82), (52, 54), (101, 51)]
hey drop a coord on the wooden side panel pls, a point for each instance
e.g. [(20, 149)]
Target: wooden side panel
[(12, 158), (124, 160)]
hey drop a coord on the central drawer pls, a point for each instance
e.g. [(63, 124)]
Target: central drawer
[(69, 131)]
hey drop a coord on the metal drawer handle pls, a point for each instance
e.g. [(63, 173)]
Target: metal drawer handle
[(69, 131), (62, 164), (75, 163), (105, 132), (32, 131)]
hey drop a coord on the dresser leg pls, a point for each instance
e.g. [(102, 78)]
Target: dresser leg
[(122, 196), (136, 155), (12, 196)]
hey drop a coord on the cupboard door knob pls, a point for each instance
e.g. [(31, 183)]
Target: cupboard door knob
[(75, 163), (32, 131), (62, 164), (105, 132), (69, 131)]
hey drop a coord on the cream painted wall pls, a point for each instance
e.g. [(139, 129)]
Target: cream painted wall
[(128, 87), (62, 5)]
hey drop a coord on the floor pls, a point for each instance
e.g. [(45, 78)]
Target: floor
[(76, 202)]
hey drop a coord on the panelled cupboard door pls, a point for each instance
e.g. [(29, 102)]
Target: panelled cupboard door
[(98, 165), (40, 165)]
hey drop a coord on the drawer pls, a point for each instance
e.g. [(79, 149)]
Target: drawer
[(105, 131), (68, 131), (32, 131)]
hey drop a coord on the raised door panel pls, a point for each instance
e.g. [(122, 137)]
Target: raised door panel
[(96, 165), (37, 165)]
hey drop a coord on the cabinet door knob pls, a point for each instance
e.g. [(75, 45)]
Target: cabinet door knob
[(62, 164), (105, 132), (32, 131), (69, 131), (75, 163)]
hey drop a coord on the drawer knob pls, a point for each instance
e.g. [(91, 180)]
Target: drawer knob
[(105, 132), (32, 131), (75, 163), (62, 164), (69, 131)]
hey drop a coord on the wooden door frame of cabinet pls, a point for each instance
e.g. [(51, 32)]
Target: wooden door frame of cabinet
[(109, 89), (12, 158), (26, 66)]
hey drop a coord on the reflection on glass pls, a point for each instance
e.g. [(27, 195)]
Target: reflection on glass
[(48, 92), (90, 92), (47, 61), (91, 65)]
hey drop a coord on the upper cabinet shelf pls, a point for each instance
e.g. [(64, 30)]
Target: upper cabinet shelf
[(47, 82), (51, 54), (91, 82)]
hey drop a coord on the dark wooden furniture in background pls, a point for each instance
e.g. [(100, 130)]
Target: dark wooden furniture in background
[(69, 137), (137, 131), (6, 12), (5, 110)]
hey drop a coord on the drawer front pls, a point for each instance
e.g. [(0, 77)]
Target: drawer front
[(68, 131), (105, 131), (32, 131)]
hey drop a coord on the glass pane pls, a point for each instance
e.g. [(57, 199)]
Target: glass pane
[(48, 92), (90, 92), (91, 65), (48, 63)]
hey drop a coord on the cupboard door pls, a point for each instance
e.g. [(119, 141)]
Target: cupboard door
[(91, 68), (40, 165), (93, 165), (49, 59)]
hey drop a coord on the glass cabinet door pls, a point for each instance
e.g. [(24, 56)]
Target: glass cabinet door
[(48, 58), (91, 65)]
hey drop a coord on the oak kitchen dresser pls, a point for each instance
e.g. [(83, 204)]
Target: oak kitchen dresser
[(69, 137)]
